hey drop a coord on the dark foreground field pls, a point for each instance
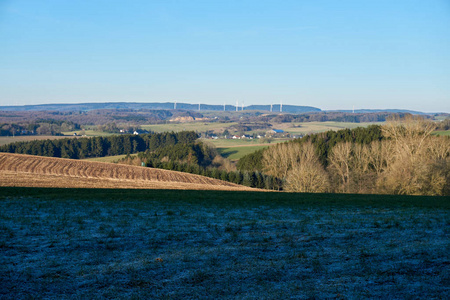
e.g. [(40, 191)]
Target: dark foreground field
[(80, 243)]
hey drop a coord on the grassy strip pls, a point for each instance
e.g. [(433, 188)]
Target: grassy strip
[(109, 159), (88, 133), (4, 140), (442, 132), (236, 153), (228, 197), (226, 143), (316, 127)]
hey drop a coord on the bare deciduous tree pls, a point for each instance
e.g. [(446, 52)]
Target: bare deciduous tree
[(362, 174), (409, 161), (420, 162), (409, 133), (307, 174), (339, 160), (278, 159)]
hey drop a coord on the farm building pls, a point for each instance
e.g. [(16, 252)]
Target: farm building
[(277, 133)]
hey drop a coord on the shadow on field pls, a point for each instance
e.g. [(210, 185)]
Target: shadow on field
[(226, 152)]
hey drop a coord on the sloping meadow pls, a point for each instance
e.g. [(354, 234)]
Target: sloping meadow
[(82, 243)]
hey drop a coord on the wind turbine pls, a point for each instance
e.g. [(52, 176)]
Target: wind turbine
[(237, 105), (281, 105), (175, 105)]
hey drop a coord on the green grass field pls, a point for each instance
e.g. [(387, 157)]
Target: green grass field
[(228, 143), (442, 132), (441, 118), (316, 127), (159, 244), (88, 133), (26, 138), (235, 149), (110, 159), (236, 153)]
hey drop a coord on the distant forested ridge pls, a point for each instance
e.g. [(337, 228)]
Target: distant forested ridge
[(92, 117), (154, 106), (186, 106), (76, 148), (37, 127)]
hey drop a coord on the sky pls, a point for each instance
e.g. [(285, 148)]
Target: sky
[(379, 54)]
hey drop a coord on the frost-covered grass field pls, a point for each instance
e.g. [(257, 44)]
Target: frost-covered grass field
[(80, 243)]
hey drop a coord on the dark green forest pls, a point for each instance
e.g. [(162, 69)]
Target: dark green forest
[(79, 148)]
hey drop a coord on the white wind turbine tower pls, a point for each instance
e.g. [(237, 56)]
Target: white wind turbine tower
[(242, 104), (199, 107), (175, 105), (224, 106), (237, 105), (281, 105), (271, 104)]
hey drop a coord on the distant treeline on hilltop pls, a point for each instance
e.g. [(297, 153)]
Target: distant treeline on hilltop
[(158, 105)]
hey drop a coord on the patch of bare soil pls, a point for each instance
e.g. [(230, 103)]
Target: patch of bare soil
[(36, 171)]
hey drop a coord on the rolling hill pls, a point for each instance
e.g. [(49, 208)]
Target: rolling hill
[(36, 171), (153, 106), (275, 108)]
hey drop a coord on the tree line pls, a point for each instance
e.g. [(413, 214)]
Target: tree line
[(400, 157), (201, 159), (38, 127), (89, 117), (323, 142), (79, 148)]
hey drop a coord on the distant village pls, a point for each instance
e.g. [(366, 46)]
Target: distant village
[(273, 133)]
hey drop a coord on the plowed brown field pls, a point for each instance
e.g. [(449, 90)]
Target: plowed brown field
[(37, 171)]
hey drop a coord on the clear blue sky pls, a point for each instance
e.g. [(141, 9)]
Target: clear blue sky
[(332, 54)]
